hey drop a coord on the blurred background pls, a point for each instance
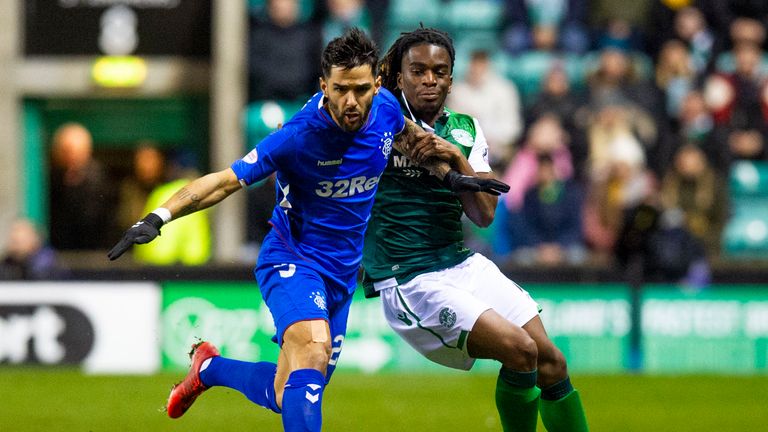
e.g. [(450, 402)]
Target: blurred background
[(633, 134)]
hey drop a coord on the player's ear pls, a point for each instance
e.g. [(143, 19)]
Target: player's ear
[(377, 85), (323, 87), (400, 80)]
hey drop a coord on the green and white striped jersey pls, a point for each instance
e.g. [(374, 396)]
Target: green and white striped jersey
[(415, 225)]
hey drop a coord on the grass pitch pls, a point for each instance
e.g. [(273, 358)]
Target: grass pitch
[(66, 400)]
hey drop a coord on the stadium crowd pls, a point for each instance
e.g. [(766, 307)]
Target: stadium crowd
[(596, 112), (593, 109)]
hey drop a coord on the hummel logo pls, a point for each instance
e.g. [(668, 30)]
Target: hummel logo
[(286, 273), (404, 318), (312, 398), (330, 162)]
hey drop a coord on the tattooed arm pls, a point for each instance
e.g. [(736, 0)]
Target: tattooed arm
[(202, 193), (406, 141), (197, 195)]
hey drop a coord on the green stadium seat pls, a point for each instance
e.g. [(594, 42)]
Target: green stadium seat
[(748, 179), (746, 235), (407, 14), (473, 14), (529, 69), (263, 118), (467, 41)]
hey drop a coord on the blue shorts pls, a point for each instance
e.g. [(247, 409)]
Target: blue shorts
[(295, 292)]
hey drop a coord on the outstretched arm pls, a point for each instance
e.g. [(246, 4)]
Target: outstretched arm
[(199, 194), (202, 193), (415, 143)]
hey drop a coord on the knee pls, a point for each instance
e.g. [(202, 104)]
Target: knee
[(520, 351), (308, 355), (317, 355), (552, 367)]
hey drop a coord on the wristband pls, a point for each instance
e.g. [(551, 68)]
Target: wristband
[(164, 214)]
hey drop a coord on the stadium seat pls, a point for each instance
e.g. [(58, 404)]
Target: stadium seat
[(749, 179), (529, 69), (473, 14), (467, 41), (746, 236), (746, 233), (407, 14), (263, 117)]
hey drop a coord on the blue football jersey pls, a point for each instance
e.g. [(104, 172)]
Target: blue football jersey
[(326, 182)]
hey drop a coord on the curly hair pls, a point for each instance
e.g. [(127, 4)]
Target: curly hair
[(392, 61), (351, 50)]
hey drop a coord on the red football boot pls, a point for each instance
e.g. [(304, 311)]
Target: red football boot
[(183, 394)]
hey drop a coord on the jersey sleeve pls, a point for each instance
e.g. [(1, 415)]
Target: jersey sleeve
[(478, 156), (391, 108), (272, 152)]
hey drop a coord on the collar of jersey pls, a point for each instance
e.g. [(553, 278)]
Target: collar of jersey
[(421, 123), (329, 118)]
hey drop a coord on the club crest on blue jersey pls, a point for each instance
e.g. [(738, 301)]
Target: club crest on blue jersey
[(319, 300), (386, 144)]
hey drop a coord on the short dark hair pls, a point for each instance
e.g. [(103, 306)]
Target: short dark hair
[(392, 61), (351, 50)]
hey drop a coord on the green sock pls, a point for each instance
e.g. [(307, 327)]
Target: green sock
[(517, 399), (561, 409)]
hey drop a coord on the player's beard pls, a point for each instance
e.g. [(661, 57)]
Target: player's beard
[(345, 121)]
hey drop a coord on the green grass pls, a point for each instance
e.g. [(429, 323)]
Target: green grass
[(66, 400)]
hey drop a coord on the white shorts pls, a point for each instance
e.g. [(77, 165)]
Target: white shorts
[(435, 312)]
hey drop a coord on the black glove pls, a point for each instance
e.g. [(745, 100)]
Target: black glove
[(143, 231), (464, 183)]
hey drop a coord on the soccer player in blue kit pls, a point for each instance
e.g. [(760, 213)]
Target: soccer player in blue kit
[(328, 159)]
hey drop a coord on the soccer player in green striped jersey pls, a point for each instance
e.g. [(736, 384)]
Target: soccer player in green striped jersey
[(451, 304)]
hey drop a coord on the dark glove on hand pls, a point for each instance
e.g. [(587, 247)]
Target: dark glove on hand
[(143, 231), (464, 183)]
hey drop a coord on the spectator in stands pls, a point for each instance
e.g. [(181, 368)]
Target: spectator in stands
[(740, 109), (695, 122), (551, 220), (675, 76), (661, 23), (148, 173), (616, 80), (722, 14), (618, 131), (545, 136), (743, 31), (633, 12), (187, 241), (546, 26), (282, 53), (81, 196), (619, 33), (691, 28), (695, 188), (557, 97), (343, 15), (494, 101), (27, 257), (619, 180)]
